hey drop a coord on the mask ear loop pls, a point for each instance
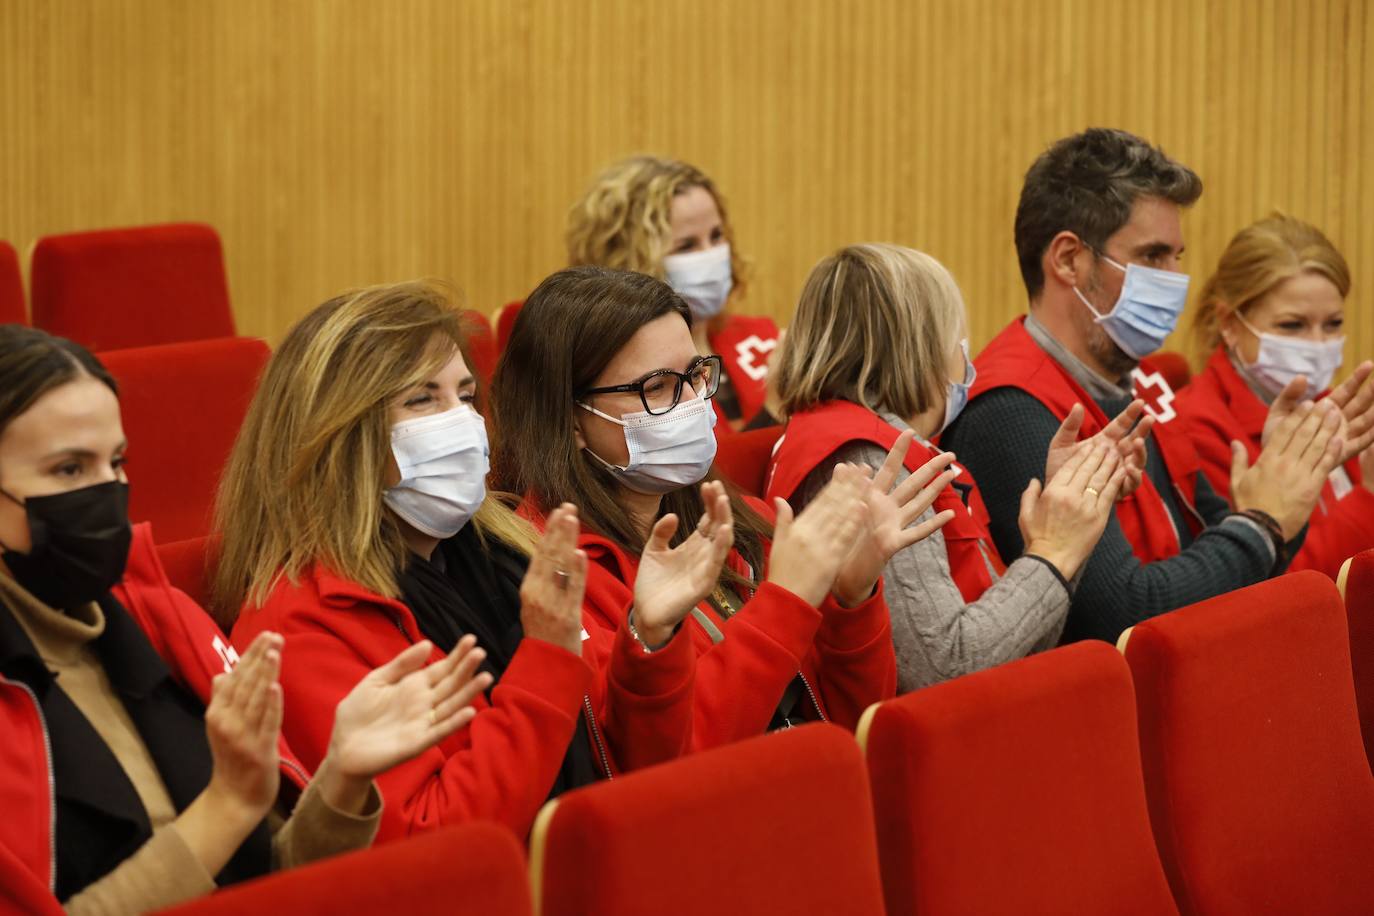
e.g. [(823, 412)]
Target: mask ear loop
[(612, 468)]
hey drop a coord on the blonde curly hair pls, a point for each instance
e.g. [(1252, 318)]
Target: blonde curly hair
[(622, 221)]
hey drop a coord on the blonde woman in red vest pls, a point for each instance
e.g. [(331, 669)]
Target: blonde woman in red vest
[(878, 355), (667, 219), (1274, 309), (1099, 238)]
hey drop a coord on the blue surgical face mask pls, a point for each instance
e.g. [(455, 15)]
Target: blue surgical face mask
[(702, 278), (1147, 310), (956, 399), (667, 451)]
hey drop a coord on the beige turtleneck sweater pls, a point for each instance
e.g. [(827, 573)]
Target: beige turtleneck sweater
[(164, 871)]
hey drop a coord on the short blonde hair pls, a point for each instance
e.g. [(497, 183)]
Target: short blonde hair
[(305, 480), (874, 325), (1259, 258), (622, 222)]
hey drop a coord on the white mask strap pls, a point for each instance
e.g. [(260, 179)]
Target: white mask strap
[(590, 409)]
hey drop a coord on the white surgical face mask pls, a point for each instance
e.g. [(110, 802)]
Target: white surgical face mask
[(956, 399), (668, 451), (702, 278), (1147, 309), (1281, 359), (443, 462)]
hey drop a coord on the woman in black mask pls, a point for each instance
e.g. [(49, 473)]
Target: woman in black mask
[(137, 768)]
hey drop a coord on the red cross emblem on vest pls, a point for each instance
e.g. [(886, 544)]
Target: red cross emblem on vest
[(752, 355), (1154, 390)]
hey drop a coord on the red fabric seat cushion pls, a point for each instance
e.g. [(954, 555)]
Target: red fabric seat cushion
[(475, 868), (119, 288), (1260, 794), (505, 323), (775, 824), (1016, 790), (182, 406)]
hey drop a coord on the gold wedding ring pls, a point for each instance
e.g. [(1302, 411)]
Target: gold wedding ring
[(1093, 492), (561, 578), (433, 716)]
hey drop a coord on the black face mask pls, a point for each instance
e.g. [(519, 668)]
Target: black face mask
[(80, 544)]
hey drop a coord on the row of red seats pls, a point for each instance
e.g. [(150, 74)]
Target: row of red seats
[(1215, 769)]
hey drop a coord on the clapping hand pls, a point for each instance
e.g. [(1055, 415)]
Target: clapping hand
[(892, 512), (673, 580)]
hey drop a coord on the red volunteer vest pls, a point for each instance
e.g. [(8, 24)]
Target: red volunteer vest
[(814, 435), (1218, 407), (744, 344), (1014, 360)]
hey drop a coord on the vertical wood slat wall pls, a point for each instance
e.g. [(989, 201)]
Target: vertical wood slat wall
[(343, 142)]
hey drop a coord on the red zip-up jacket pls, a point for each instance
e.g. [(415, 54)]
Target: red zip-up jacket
[(503, 765), (1218, 407), (844, 654), (195, 650)]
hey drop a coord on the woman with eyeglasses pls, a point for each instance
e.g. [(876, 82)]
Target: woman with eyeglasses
[(666, 218), (602, 399), (356, 522), (1274, 310)]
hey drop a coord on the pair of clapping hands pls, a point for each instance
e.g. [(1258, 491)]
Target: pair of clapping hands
[(838, 545)]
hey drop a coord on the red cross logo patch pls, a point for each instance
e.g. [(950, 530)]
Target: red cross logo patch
[(752, 355), (226, 654), (1156, 393)]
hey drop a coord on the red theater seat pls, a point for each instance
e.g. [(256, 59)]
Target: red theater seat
[(1173, 366), (743, 457), (1260, 794), (477, 868), (119, 288), (776, 824), (481, 346), (1016, 790), (188, 565), (1356, 584), (505, 323), (182, 406), (11, 287)]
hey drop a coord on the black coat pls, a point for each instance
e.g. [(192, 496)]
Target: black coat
[(100, 820)]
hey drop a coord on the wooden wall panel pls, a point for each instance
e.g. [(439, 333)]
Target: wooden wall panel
[(342, 142)]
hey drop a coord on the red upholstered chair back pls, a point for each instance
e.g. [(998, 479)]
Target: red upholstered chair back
[(743, 457), (189, 564), (119, 288), (1173, 366), (476, 868), (1016, 790), (775, 824), (12, 309), (481, 346), (182, 406), (505, 323), (1356, 583), (1260, 794)]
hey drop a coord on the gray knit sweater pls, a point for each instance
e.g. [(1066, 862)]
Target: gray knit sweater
[(937, 636)]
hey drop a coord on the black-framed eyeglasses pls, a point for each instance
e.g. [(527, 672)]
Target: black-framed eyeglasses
[(661, 390)]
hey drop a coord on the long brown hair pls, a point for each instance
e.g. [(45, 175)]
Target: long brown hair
[(569, 329), (305, 480)]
